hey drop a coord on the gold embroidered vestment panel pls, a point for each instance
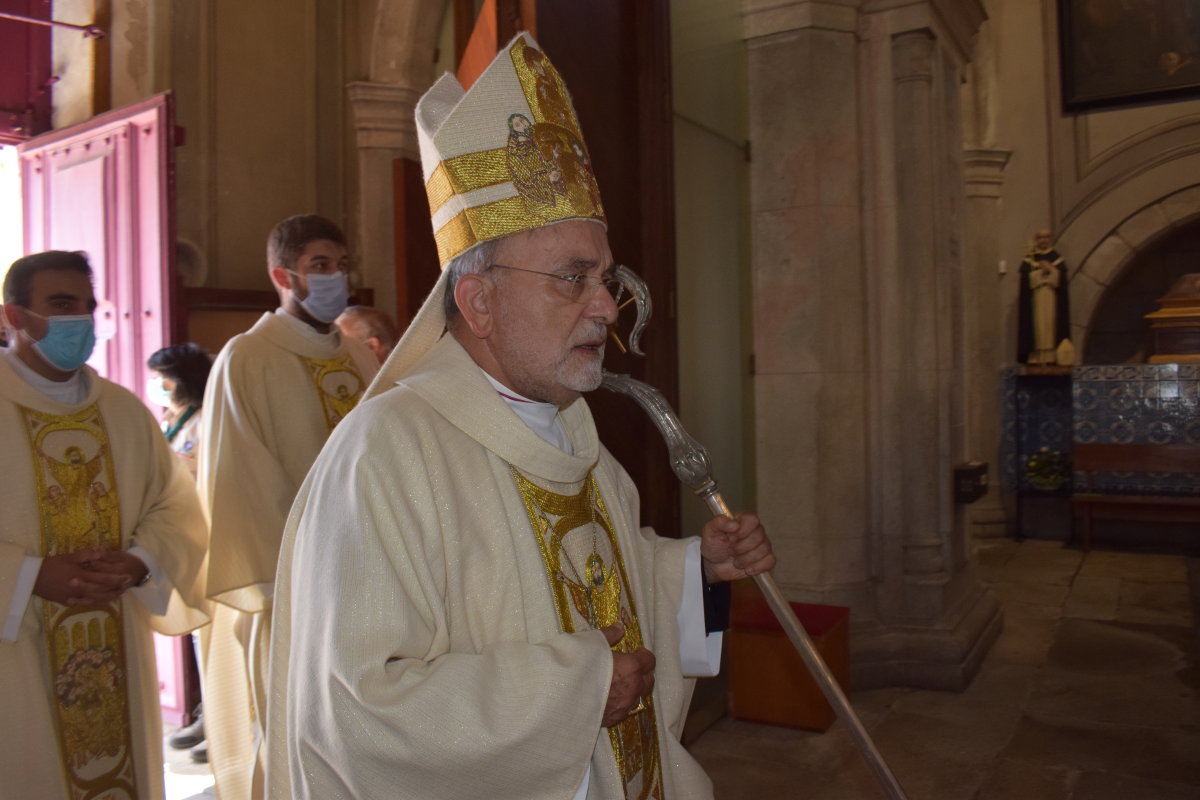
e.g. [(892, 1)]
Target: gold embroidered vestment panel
[(80, 509), (591, 591), (339, 385)]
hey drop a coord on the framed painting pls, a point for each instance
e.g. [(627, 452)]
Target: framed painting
[(1128, 52)]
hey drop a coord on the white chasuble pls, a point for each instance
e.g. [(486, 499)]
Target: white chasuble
[(274, 395), (440, 582), (80, 689)]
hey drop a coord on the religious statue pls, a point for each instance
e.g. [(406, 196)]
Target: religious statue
[(1044, 310)]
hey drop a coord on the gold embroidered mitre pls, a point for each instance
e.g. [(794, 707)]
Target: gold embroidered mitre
[(506, 156)]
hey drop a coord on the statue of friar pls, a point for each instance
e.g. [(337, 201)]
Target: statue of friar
[(1044, 311)]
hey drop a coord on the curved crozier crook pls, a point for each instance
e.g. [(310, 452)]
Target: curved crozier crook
[(641, 295)]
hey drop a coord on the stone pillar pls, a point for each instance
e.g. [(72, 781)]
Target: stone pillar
[(857, 204), (983, 340), (983, 343), (384, 131)]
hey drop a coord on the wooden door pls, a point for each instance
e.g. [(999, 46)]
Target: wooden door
[(106, 186), (615, 58)]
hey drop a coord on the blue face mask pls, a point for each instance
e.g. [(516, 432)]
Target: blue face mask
[(328, 296), (68, 343)]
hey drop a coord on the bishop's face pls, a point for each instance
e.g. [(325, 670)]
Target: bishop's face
[(548, 345)]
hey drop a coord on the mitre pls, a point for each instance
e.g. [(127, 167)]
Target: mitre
[(504, 157)]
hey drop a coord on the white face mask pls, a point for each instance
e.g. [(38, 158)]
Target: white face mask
[(328, 295), (156, 394)]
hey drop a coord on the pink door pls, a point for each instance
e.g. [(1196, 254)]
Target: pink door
[(106, 186)]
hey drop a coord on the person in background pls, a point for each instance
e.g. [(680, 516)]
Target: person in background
[(101, 542), (182, 373), (275, 394), (179, 387), (372, 327)]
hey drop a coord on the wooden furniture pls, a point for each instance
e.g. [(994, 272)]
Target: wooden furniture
[(768, 681), (211, 317), (1176, 324), (1143, 458)]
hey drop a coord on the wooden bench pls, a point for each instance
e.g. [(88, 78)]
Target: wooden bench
[(1141, 458)]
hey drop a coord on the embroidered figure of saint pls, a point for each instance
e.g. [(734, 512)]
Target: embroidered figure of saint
[(530, 171)]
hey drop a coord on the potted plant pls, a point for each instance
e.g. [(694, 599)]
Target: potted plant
[(1047, 470)]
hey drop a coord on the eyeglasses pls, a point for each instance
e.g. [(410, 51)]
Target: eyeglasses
[(576, 288)]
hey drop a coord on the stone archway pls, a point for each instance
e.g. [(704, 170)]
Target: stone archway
[(1115, 252), (399, 46), (1119, 332)]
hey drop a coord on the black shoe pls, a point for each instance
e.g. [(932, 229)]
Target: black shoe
[(189, 737), (199, 753)]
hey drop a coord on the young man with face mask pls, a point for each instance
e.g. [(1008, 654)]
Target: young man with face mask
[(274, 395), (101, 542), (466, 603)]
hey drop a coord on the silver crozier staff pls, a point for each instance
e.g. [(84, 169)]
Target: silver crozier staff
[(693, 467)]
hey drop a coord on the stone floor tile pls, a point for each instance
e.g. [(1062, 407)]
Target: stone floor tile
[(1042, 562), (1147, 567), (751, 779), (1149, 701), (1018, 780), (1156, 753), (872, 706), (995, 697), (1114, 649), (748, 760), (995, 552), (1036, 594), (1105, 786), (1027, 635), (1155, 603), (939, 758), (1093, 597)]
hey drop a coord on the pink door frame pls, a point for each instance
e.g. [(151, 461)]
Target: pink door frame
[(107, 186)]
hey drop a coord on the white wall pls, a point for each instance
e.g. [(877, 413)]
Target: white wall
[(712, 212)]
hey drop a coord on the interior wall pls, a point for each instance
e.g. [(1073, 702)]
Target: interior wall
[(260, 94), (1082, 175), (712, 212), (1120, 331), (72, 55)]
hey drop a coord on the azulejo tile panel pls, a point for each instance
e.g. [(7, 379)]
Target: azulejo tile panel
[(1141, 404), (1037, 410)]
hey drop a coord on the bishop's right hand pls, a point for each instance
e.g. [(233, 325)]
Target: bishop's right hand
[(632, 678)]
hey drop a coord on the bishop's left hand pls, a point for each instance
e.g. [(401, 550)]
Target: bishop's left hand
[(735, 548), (121, 562)]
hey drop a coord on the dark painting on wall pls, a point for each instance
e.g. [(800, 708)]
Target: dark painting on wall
[(1128, 52)]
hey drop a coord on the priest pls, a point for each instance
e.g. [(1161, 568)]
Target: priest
[(274, 395), (466, 605), (101, 543)]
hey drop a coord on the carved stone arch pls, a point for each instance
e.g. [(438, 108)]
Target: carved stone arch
[(399, 45), (1103, 240), (403, 39)]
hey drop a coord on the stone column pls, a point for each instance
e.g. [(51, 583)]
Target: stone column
[(983, 343), (384, 131), (983, 340), (857, 205)]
